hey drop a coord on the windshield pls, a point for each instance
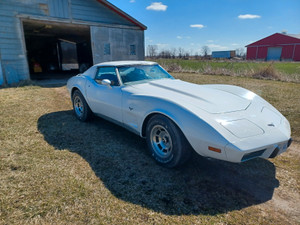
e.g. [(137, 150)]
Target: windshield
[(142, 73)]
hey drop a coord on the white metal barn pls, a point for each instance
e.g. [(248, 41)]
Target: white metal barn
[(39, 38)]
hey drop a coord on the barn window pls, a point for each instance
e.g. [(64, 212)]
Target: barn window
[(132, 50), (107, 49)]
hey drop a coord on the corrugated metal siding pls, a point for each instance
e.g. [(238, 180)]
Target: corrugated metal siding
[(297, 53), (96, 12), (221, 54), (287, 52), (251, 53), (1, 74), (288, 44), (119, 41), (59, 8), (276, 39), (262, 53), (274, 53), (14, 63)]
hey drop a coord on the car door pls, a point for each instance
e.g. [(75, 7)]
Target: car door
[(105, 100)]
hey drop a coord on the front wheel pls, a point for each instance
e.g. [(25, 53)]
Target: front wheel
[(166, 142), (81, 109)]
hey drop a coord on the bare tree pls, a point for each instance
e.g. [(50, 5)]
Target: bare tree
[(173, 53), (180, 52), (152, 51), (186, 55), (240, 52), (205, 51), (165, 54), (191, 53)]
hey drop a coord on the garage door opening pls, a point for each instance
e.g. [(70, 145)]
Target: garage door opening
[(57, 50), (274, 53)]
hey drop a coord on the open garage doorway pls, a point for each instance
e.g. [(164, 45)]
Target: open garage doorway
[(56, 50)]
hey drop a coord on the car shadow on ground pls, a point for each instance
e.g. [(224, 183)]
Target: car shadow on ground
[(121, 161)]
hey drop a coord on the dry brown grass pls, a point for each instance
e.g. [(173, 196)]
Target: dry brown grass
[(268, 73), (57, 170)]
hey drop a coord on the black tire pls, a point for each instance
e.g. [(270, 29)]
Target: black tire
[(81, 109), (166, 142)]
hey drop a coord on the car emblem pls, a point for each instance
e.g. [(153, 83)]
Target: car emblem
[(271, 125)]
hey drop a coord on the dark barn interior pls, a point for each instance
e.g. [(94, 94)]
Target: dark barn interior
[(57, 50)]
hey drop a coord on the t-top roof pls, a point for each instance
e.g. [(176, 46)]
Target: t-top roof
[(92, 70), (125, 63), (122, 13)]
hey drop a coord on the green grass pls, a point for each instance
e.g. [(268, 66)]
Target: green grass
[(57, 170), (288, 67), (285, 71)]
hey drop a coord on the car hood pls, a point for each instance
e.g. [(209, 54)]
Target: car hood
[(205, 97)]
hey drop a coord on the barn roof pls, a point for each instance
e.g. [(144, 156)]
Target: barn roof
[(122, 13), (277, 39), (294, 35)]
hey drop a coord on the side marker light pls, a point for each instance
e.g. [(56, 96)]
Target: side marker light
[(214, 149)]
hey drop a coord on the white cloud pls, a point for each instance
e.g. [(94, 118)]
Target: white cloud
[(157, 6), (210, 41), (132, 1), (148, 41), (217, 47), (199, 26), (162, 45), (235, 44), (249, 16), (183, 37)]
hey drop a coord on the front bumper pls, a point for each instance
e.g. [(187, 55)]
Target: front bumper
[(234, 154)]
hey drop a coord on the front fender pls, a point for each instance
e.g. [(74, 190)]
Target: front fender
[(197, 131)]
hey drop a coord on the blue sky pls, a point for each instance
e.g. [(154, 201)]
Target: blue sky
[(218, 24)]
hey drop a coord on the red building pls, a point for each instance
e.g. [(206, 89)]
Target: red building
[(278, 46)]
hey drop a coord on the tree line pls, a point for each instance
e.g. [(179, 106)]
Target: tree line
[(172, 53)]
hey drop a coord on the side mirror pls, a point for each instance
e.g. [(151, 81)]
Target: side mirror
[(106, 82)]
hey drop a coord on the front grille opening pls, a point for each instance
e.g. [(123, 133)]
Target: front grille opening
[(289, 142), (253, 155), (274, 153)]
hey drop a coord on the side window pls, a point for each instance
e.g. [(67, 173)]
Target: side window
[(107, 73), (132, 50), (106, 49)]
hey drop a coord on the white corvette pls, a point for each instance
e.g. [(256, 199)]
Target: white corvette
[(219, 121)]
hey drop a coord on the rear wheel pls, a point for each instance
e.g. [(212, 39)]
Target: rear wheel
[(81, 109), (166, 142)]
